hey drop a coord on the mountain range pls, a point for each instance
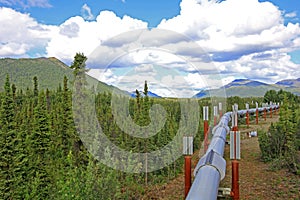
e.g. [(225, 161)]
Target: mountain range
[(51, 71), (252, 88)]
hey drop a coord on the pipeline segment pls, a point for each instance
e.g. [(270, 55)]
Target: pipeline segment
[(211, 167)]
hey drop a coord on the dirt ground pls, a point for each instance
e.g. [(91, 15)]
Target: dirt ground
[(257, 181)]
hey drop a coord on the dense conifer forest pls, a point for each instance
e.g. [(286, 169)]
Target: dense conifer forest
[(43, 157)]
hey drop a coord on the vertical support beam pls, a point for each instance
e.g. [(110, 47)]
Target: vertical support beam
[(265, 113), (271, 109), (234, 117), (188, 152), (187, 176), (256, 113), (247, 114), (206, 127), (235, 163), (220, 109), (235, 188), (215, 115)]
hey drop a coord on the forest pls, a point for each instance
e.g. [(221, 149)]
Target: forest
[(43, 157)]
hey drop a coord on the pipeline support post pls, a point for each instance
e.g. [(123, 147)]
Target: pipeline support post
[(235, 154), (206, 127), (188, 152), (187, 174), (235, 190), (247, 115), (220, 109), (271, 109), (215, 115), (256, 113)]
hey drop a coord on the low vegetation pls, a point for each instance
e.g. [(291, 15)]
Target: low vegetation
[(280, 145)]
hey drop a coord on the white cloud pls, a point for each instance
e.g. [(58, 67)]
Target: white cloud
[(104, 75), (269, 66), (233, 26), (86, 12), (20, 33), (291, 14), (89, 34)]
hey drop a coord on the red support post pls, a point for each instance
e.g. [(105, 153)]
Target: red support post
[(206, 127), (270, 112), (215, 121), (257, 116), (235, 128), (247, 119), (265, 114), (235, 191), (188, 177)]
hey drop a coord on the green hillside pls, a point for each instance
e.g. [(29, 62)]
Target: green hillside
[(246, 91), (49, 71)]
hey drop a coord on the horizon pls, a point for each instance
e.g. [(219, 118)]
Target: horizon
[(132, 90), (181, 46)]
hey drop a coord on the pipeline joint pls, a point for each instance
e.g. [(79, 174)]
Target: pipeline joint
[(221, 125), (212, 159)]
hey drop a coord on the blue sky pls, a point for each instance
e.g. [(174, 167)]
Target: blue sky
[(243, 38), (57, 11), (150, 11)]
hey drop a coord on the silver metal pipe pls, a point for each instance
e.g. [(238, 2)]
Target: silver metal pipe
[(211, 167)]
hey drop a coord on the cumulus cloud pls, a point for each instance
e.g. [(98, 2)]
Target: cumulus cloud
[(27, 3), (238, 28), (245, 38), (23, 35), (89, 34), (70, 30), (269, 66), (86, 12)]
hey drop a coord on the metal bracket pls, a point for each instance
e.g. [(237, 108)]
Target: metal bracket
[(224, 192)]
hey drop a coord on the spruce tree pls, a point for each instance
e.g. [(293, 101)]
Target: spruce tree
[(10, 157)]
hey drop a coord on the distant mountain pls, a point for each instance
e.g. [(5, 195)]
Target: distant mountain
[(289, 83), (49, 71), (245, 82), (150, 94), (292, 85), (202, 94), (251, 88)]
